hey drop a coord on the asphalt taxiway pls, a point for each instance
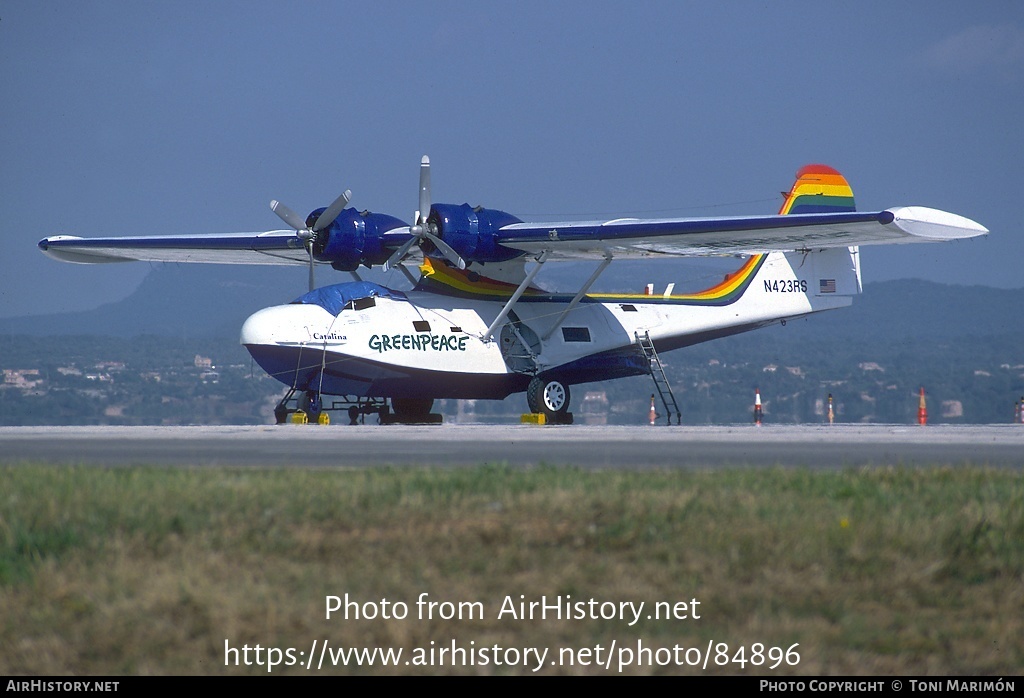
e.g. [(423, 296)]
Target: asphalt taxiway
[(632, 447)]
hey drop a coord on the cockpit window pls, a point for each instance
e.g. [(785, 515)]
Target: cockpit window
[(360, 303)]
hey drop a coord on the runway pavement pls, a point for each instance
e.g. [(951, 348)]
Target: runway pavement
[(633, 447)]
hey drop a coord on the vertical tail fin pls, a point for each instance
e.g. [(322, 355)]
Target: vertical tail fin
[(822, 189), (818, 189)]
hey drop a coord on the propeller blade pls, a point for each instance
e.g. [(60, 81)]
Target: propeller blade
[(328, 216), (446, 249), (400, 253), (424, 190), (312, 279), (288, 216)]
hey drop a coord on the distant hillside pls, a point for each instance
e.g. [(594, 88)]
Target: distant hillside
[(201, 301), (918, 309), (191, 301)]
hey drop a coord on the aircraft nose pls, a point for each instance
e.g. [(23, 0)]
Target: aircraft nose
[(268, 326), (289, 324)]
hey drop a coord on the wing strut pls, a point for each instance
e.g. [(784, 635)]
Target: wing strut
[(579, 295), (489, 332)]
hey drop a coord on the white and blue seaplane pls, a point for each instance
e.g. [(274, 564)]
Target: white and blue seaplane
[(476, 326)]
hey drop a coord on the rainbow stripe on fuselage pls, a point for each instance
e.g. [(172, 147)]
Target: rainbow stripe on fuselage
[(439, 277)]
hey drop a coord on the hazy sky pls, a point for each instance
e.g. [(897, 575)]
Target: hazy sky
[(124, 118)]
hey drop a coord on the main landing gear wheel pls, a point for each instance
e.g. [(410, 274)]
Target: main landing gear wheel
[(281, 413), (551, 398)]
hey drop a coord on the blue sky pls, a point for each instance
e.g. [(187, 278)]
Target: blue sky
[(126, 118)]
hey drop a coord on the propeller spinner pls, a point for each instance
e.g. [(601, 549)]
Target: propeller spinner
[(306, 232), (422, 229)]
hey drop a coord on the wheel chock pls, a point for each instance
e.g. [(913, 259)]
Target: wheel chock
[(533, 418)]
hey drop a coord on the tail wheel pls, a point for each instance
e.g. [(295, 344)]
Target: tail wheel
[(548, 396)]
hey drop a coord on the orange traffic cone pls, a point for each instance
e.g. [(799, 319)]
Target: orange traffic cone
[(922, 411), (654, 412), (757, 406)]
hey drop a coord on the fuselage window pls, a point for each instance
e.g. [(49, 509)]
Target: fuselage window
[(576, 334), (628, 308), (421, 325)]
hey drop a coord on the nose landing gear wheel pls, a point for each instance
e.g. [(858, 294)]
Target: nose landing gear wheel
[(311, 404), (549, 397)]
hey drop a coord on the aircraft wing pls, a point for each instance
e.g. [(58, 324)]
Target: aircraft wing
[(272, 247), (621, 238), (630, 237)]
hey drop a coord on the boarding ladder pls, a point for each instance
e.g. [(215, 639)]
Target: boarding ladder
[(668, 399)]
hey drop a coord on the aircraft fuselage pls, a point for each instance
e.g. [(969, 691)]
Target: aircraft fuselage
[(426, 345)]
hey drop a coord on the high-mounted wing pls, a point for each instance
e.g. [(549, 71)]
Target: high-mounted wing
[(272, 247), (632, 238), (818, 213)]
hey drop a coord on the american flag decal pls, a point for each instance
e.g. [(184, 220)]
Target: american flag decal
[(827, 286)]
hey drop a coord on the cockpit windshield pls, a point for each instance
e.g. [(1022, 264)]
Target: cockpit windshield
[(356, 295)]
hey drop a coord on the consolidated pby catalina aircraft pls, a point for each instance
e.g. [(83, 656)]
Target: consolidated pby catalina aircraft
[(475, 325)]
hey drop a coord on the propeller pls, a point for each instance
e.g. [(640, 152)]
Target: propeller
[(307, 233), (422, 229)]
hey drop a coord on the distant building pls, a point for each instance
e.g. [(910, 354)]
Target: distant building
[(203, 362), (23, 378)]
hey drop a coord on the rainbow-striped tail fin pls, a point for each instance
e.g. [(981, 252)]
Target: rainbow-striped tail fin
[(818, 189)]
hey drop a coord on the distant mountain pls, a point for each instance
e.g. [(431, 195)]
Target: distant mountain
[(178, 301), (201, 301)]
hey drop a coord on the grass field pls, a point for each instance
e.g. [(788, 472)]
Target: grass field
[(883, 571)]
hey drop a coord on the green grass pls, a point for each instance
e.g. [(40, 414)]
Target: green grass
[(149, 571)]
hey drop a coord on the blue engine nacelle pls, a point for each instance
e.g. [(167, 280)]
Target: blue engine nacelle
[(471, 231), (353, 238)]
